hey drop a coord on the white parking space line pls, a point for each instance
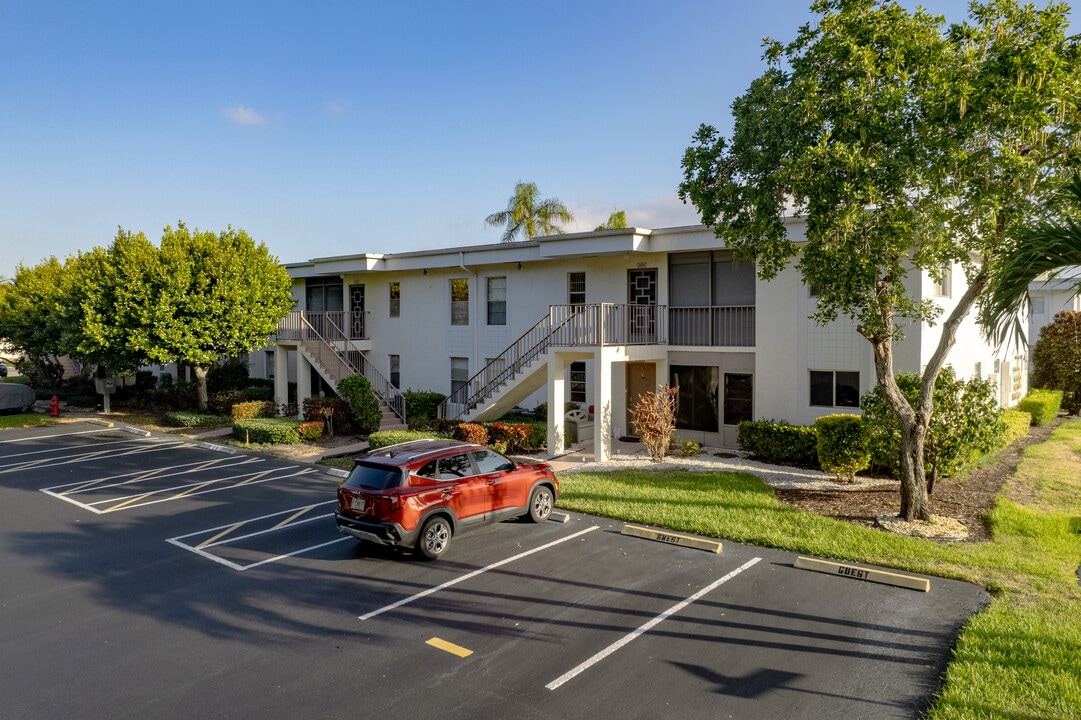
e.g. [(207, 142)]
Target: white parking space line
[(128, 502), (57, 435), (582, 667), (88, 454), (140, 475), (222, 531), (467, 576)]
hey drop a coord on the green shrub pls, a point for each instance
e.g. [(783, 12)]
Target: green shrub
[(384, 438), (189, 419), (687, 448), (422, 405), (257, 392), (471, 432), (310, 431), (1056, 359), (967, 423), (357, 392), (778, 442), (842, 447), (1042, 405), (1017, 425), (230, 375), (270, 431)]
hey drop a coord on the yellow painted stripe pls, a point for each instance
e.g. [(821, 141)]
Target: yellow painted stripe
[(220, 535), (129, 501), (194, 488), (255, 477), (291, 518), (135, 479), (450, 647)]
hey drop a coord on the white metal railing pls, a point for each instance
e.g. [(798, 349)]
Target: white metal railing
[(338, 364), (731, 326)]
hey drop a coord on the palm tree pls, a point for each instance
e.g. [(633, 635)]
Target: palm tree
[(528, 214), (616, 221), (1045, 249)]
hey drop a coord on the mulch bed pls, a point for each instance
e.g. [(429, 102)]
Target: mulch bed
[(968, 498)]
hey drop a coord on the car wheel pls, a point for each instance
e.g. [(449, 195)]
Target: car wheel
[(434, 537), (540, 503)]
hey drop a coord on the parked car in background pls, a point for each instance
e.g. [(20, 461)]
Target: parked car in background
[(3, 369), (419, 494)]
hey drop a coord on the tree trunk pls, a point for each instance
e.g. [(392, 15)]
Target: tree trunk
[(200, 385), (914, 502)]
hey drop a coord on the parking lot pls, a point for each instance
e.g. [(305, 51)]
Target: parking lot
[(149, 575)]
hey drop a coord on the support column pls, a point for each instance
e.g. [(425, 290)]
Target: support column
[(602, 404), (556, 398), (281, 376), (304, 382)]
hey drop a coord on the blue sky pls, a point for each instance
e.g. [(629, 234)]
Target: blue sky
[(330, 128)]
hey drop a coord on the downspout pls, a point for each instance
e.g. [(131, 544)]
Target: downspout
[(475, 313)]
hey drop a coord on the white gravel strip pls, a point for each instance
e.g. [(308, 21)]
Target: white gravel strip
[(778, 476)]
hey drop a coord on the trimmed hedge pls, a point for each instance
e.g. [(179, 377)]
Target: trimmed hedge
[(186, 419), (779, 442), (842, 446), (392, 437), (247, 410), (270, 431), (1042, 405), (1017, 425), (422, 405)]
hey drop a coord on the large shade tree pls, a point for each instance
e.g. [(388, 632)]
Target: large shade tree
[(905, 145), (204, 296), (29, 320), (528, 215)]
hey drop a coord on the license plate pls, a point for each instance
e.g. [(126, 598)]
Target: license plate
[(357, 504)]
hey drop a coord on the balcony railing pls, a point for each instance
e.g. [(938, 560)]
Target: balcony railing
[(331, 325), (732, 326)]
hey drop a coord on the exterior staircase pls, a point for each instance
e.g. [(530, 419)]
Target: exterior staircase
[(330, 352), (522, 368)]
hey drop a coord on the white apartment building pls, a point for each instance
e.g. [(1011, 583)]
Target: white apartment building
[(596, 318)]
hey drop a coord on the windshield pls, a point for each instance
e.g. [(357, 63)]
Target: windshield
[(374, 476)]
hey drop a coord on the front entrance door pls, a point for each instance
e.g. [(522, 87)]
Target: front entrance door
[(641, 379), (356, 312), (642, 310)]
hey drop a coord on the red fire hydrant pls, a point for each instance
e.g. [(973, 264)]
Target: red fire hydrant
[(54, 406)]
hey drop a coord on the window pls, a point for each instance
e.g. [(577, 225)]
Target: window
[(324, 294), (497, 301), (1039, 305), (459, 301), (835, 388), (738, 398), (459, 373), (578, 381), (396, 371), (944, 287), (490, 462), (697, 405), (395, 299), (576, 288)]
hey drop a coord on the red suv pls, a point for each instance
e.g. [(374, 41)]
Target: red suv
[(420, 493)]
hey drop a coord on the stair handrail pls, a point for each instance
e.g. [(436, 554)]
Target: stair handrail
[(518, 354), (352, 362)]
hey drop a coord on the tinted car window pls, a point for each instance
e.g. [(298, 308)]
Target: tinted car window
[(455, 466), (374, 476), (490, 462), (428, 470)]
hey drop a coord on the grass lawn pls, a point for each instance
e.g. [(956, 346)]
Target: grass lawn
[(18, 420), (1020, 658)]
